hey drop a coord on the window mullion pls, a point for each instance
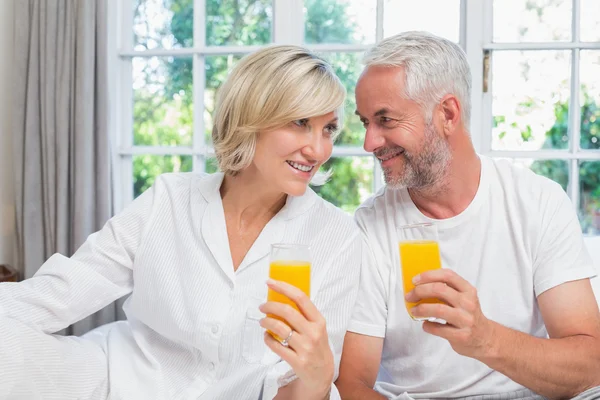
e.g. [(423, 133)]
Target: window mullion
[(124, 108), (198, 86), (474, 38), (288, 22), (379, 22), (574, 110), (378, 176)]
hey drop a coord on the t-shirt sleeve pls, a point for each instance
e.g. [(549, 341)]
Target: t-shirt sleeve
[(370, 310), (562, 256)]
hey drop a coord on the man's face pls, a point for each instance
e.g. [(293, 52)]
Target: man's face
[(412, 151)]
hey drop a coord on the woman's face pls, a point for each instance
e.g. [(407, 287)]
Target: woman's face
[(287, 158)]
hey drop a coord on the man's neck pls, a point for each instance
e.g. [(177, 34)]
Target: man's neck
[(453, 194)]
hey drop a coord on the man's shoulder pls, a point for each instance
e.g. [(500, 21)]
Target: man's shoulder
[(379, 209), (373, 203), (524, 184)]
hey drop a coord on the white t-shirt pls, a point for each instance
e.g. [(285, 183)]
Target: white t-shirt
[(518, 238)]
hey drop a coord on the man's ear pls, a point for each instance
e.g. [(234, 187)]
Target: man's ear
[(451, 113)]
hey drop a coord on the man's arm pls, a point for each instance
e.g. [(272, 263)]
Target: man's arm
[(566, 364), (359, 366)]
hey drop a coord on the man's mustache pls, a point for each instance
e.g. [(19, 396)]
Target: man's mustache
[(382, 153)]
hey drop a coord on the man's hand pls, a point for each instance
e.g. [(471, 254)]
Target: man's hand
[(468, 330)]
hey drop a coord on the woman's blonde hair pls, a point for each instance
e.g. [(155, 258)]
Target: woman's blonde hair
[(267, 90)]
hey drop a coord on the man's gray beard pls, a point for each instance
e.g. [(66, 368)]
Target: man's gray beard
[(425, 169)]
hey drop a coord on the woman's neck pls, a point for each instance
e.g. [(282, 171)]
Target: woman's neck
[(247, 200)]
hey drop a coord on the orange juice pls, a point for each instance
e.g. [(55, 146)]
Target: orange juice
[(296, 273), (418, 256)]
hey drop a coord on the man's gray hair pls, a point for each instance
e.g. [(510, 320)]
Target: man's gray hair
[(434, 67)]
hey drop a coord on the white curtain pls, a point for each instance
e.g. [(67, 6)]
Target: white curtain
[(61, 140)]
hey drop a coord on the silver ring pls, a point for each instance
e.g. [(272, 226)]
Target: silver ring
[(286, 342)]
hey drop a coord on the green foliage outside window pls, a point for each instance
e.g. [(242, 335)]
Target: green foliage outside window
[(558, 170), (164, 117), (163, 106)]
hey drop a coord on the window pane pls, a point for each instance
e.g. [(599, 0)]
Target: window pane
[(217, 69), (348, 67), (350, 184), (339, 21), (147, 167), (557, 170), (532, 20), (238, 22), (589, 184), (530, 101), (210, 165), (409, 15), (590, 20), (163, 24), (162, 101), (590, 100)]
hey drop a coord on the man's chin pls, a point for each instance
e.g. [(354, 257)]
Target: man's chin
[(394, 182)]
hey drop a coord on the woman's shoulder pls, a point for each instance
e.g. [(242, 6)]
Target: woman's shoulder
[(332, 217), (181, 187), (182, 181)]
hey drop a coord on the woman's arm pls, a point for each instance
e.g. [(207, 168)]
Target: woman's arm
[(66, 290), (316, 345)]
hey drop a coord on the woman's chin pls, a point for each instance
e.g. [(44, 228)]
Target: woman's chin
[(296, 189)]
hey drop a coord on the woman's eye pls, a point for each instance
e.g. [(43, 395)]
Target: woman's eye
[(301, 122), (331, 129)]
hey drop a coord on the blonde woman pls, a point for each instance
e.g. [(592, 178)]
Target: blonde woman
[(192, 255)]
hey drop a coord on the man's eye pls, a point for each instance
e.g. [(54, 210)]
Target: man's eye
[(364, 122), (385, 120)]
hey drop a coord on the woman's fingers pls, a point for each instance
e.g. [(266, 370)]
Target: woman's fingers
[(279, 328), (286, 353), (289, 314), (305, 305)]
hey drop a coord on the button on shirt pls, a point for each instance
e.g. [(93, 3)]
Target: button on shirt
[(192, 329)]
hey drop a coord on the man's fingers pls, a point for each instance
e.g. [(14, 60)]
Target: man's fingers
[(435, 290), (446, 276), (453, 316)]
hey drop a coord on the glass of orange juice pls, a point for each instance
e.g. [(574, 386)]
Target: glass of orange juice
[(289, 263), (419, 252)]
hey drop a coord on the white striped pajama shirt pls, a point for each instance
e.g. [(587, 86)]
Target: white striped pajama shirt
[(192, 329)]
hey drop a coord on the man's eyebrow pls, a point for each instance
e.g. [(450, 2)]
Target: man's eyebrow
[(379, 113)]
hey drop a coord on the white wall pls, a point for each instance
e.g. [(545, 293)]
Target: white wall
[(7, 229)]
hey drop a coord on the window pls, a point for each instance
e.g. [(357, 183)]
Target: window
[(172, 56), (535, 89), (540, 93)]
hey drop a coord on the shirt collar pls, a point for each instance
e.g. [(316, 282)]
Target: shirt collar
[(209, 185)]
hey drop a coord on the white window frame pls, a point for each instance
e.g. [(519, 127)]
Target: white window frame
[(479, 41), (288, 27)]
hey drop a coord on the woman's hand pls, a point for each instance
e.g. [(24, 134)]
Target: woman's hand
[(307, 349)]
